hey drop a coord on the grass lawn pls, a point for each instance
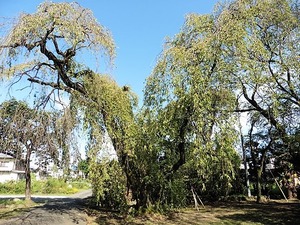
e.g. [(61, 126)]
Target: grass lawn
[(273, 212)]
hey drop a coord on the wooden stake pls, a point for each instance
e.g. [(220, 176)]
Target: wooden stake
[(195, 199), (279, 186)]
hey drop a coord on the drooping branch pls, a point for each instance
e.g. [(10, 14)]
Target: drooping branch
[(294, 98), (51, 84)]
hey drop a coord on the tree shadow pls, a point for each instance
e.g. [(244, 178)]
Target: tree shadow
[(268, 213), (272, 213), (11, 213), (49, 211), (108, 218)]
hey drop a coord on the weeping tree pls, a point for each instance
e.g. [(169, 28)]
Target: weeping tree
[(25, 131), (171, 158), (43, 49), (242, 58), (260, 40), (108, 118), (188, 111)]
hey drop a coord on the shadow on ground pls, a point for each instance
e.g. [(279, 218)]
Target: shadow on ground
[(221, 213), (269, 213), (55, 211)]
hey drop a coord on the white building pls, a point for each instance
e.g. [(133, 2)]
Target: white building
[(10, 169)]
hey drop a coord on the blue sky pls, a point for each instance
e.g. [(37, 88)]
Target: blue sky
[(139, 29)]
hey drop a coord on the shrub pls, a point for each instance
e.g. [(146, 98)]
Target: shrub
[(80, 184), (108, 182), (53, 186), (12, 187)]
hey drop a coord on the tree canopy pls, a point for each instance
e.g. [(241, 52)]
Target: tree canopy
[(242, 58), (42, 46)]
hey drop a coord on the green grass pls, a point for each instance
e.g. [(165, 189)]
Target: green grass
[(49, 186)]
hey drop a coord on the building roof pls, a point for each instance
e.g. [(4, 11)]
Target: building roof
[(5, 156)]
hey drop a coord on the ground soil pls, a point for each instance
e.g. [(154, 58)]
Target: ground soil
[(49, 211), (69, 211), (244, 213)]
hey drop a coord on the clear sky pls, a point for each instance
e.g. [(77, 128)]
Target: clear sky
[(139, 28)]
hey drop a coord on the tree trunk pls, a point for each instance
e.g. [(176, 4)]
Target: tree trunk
[(260, 171), (247, 182), (290, 192), (27, 175), (258, 185)]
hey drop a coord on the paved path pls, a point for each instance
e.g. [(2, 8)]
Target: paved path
[(59, 210)]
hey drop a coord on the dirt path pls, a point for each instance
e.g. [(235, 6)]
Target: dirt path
[(57, 211)]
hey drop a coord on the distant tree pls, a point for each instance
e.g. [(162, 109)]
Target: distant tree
[(25, 131), (83, 166)]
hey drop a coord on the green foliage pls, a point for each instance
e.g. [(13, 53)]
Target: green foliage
[(274, 191), (12, 187), (198, 81), (84, 167), (48, 186), (111, 107), (109, 184), (80, 184), (52, 186), (177, 193), (115, 188)]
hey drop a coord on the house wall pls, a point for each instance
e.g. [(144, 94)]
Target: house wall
[(7, 176), (7, 170), (7, 164)]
